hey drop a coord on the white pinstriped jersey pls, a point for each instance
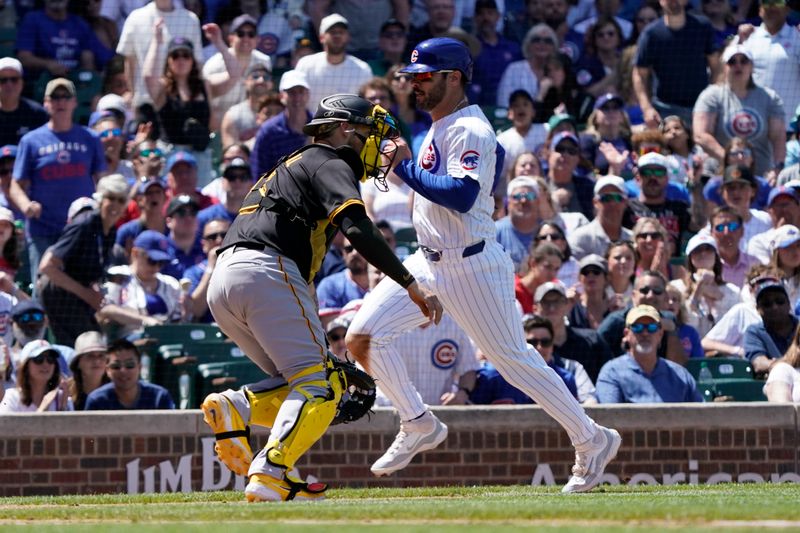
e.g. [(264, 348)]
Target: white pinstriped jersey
[(435, 356), (460, 144)]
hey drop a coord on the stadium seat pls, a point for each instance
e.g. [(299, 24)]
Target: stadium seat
[(175, 372), (737, 390), (721, 367), (182, 333), (498, 117), (8, 42), (406, 238), (217, 377)]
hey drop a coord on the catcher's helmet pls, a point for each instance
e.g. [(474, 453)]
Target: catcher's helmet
[(340, 108), (440, 53)]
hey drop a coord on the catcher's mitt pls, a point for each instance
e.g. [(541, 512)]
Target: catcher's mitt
[(359, 395)]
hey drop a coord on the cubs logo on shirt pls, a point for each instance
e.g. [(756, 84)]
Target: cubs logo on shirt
[(745, 122), (444, 354), (63, 156), (430, 158), (470, 160)]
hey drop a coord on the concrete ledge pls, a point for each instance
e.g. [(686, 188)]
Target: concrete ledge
[(385, 420)]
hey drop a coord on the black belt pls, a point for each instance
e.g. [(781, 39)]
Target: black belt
[(243, 245), (436, 255)]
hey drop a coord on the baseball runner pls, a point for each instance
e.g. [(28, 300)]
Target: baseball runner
[(460, 260), (260, 293)]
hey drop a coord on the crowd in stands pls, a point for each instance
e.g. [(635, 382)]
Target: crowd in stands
[(649, 197)]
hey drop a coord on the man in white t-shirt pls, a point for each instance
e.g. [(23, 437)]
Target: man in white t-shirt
[(243, 39), (137, 32), (333, 71)]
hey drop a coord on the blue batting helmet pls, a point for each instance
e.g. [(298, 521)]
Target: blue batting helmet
[(440, 53)]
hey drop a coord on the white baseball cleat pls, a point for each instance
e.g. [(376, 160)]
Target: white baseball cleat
[(592, 461), (415, 436)]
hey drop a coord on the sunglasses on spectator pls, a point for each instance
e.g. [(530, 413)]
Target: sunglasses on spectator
[(153, 262), (181, 55), (647, 290), (766, 303), (333, 337), (111, 132), (542, 40), (654, 235), (610, 107), (393, 34), (738, 60), (518, 196), (744, 152), (652, 172), (567, 150), (117, 199), (592, 271), (147, 152), (544, 343), (215, 236), (9, 79), (426, 76), (610, 197), (32, 316), (638, 327), (129, 365), (244, 33), (50, 357), (730, 226), (550, 237), (184, 212), (237, 176), (55, 97)]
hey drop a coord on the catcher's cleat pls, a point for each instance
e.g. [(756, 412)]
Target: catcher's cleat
[(592, 461), (415, 436), (265, 488), (232, 434)]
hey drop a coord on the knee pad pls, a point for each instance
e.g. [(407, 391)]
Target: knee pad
[(265, 400), (311, 420)]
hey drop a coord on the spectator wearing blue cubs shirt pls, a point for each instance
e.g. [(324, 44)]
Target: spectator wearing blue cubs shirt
[(766, 343), (150, 198), (183, 235), (336, 290), (236, 182), (56, 164), (54, 41), (127, 390), (640, 376), (199, 275)]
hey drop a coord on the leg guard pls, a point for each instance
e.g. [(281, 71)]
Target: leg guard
[(305, 415), (265, 399)]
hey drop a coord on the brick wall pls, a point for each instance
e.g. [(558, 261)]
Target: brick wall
[(155, 451)]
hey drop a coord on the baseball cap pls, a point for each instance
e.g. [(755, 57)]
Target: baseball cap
[(155, 244), (785, 236), (35, 348), (258, 66), (293, 78), (180, 201), (782, 190), (112, 102), (52, 85), (147, 185), (392, 22), (26, 306), (734, 50), (240, 21), (236, 163), (770, 284), (330, 21), (485, 4), (9, 150), (519, 93), (550, 286), (79, 205), (556, 120), (610, 181), (180, 43), (734, 173), (339, 322), (522, 181), (181, 156), (652, 159), (592, 260), (90, 341), (642, 311), (699, 240), (6, 214), (97, 116), (12, 63), (563, 136), (606, 98)]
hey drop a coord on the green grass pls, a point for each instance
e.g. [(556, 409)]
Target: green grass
[(684, 508)]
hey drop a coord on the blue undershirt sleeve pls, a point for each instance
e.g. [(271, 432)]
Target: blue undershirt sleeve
[(454, 193)]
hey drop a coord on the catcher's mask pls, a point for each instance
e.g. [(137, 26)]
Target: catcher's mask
[(379, 148)]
